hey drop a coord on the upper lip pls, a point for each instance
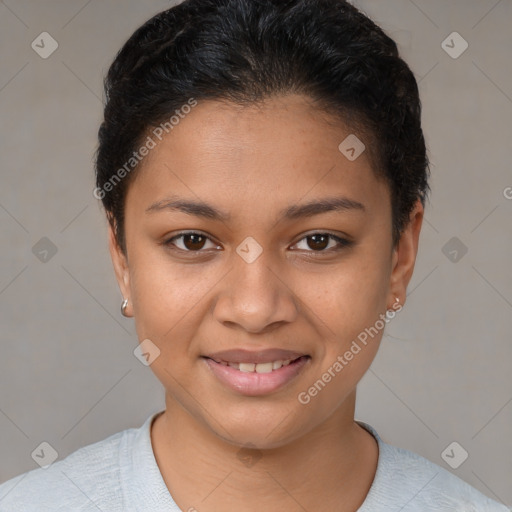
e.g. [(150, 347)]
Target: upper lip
[(249, 356)]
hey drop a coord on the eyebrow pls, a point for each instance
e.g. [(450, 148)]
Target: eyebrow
[(330, 204), (198, 209), (293, 212)]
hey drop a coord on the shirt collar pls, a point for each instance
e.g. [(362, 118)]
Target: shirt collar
[(143, 484), (145, 489)]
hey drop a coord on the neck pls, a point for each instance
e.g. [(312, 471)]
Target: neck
[(336, 460)]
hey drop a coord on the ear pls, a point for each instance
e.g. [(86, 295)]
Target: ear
[(121, 270), (404, 255)]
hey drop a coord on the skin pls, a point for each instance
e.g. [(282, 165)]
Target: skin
[(251, 163)]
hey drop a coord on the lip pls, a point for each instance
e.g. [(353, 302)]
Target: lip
[(253, 383), (249, 356)]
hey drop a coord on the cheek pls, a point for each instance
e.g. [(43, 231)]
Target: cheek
[(351, 297), (346, 310), (168, 298)]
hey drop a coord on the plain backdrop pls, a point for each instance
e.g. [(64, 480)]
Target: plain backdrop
[(68, 375)]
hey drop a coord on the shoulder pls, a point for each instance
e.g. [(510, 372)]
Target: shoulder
[(409, 482), (423, 485), (85, 479)]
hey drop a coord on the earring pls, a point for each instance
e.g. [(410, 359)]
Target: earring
[(123, 307), (395, 306)]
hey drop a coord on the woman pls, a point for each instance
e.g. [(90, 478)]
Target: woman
[(264, 174)]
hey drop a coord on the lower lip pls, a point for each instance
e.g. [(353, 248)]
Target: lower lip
[(253, 383)]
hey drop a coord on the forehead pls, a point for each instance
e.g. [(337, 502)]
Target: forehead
[(282, 149)]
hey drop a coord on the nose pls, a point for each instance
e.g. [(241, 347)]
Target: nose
[(255, 297)]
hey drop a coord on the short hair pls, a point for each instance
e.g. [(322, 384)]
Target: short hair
[(245, 51)]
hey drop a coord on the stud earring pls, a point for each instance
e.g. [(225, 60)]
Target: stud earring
[(395, 306), (123, 307)]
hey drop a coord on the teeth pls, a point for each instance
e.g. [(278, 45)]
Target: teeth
[(264, 367), (259, 367), (246, 367)]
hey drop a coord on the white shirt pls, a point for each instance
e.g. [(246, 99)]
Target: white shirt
[(120, 474)]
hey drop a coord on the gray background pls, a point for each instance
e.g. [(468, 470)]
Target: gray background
[(68, 375)]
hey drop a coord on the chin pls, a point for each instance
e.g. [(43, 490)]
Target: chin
[(263, 427)]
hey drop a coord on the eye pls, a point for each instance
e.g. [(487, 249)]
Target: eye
[(321, 242), (190, 241)]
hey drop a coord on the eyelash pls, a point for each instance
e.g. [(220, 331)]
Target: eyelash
[(343, 243)]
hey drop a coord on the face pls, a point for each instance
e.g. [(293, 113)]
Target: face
[(252, 240)]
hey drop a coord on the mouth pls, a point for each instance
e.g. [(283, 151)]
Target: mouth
[(258, 367), (256, 374)]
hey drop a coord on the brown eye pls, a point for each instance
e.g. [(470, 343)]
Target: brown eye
[(318, 242), (323, 242), (189, 242), (193, 241)]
